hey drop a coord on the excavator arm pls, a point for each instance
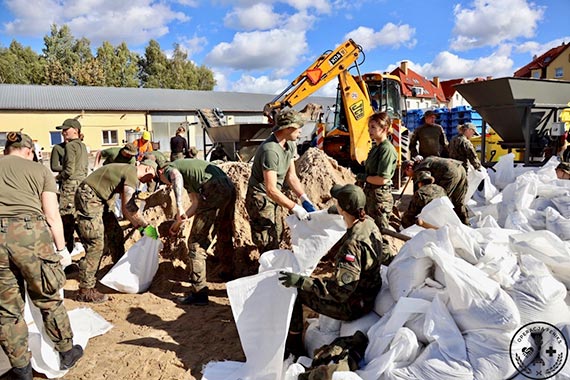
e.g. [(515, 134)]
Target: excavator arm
[(326, 68)]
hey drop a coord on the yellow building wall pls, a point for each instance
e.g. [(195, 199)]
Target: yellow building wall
[(39, 125), (563, 61)]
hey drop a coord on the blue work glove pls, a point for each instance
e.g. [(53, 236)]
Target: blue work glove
[(307, 204), (291, 280)]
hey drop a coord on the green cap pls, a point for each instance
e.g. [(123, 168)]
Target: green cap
[(193, 152), (70, 123), (564, 166), (161, 161), (18, 140), (131, 149), (350, 198), (150, 163), (288, 119)]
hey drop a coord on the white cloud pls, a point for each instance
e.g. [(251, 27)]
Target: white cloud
[(490, 23), (259, 50), (321, 6), (390, 35), (257, 16), (189, 3), (193, 45), (535, 48), (134, 22), (259, 85)]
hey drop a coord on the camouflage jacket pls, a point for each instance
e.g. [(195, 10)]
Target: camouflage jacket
[(460, 148), (422, 197)]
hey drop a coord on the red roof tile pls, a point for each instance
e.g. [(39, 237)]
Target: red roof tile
[(540, 62), (413, 79)]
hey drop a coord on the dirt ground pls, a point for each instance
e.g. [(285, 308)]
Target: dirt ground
[(155, 338)]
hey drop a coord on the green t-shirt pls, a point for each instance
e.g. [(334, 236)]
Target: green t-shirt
[(22, 183), (111, 179), (114, 156), (75, 161), (271, 156), (382, 161), (195, 172)]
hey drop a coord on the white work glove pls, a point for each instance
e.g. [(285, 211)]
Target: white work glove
[(300, 212), (65, 257), (307, 204)]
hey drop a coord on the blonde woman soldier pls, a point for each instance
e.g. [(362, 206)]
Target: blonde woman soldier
[(461, 149)]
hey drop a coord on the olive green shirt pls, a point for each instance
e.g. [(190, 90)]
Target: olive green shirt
[(195, 172), (111, 179), (56, 157), (271, 156), (114, 156), (22, 183), (431, 138), (75, 161), (382, 161)]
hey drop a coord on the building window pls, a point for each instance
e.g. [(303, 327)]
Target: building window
[(55, 137), (110, 137), (558, 72), (536, 74)]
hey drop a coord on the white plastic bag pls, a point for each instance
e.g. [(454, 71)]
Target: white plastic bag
[(474, 178), (133, 273), (504, 171), (557, 224), (439, 212)]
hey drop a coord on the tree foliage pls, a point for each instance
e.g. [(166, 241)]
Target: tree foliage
[(66, 60)]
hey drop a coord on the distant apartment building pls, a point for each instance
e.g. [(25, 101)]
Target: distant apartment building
[(554, 64)]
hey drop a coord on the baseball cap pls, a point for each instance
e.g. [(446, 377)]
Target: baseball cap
[(146, 135), (18, 140), (564, 166), (288, 119), (131, 149), (70, 123), (161, 161), (193, 152), (350, 197), (150, 163)]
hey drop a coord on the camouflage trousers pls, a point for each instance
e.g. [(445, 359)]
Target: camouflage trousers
[(91, 229), (344, 311), (379, 204), (67, 210), (456, 188), (28, 260), (214, 217), (266, 225)]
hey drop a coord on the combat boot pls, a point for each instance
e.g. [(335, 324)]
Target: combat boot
[(90, 295), (68, 358), (294, 346), (24, 373), (198, 299)]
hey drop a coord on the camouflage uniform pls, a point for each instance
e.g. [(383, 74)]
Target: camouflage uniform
[(381, 161), (266, 226), (75, 166), (27, 254), (450, 175), (91, 202), (461, 149), (215, 212), (421, 197), (351, 293), (431, 138)]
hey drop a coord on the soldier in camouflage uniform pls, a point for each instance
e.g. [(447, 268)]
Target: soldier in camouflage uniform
[(125, 155), (377, 177), (91, 201), (427, 192), (449, 174), (351, 292), (213, 198), (75, 166), (272, 166), (430, 137), (461, 149), (30, 225)]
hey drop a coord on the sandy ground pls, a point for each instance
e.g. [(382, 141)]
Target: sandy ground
[(155, 338)]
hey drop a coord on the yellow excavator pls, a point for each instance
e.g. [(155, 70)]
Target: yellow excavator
[(358, 97)]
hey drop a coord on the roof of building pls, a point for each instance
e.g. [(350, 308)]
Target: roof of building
[(448, 87), (540, 62), (73, 98), (413, 79)]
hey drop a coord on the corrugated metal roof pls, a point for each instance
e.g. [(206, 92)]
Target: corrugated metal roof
[(76, 98)]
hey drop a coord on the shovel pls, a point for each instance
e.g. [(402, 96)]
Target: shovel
[(395, 210)]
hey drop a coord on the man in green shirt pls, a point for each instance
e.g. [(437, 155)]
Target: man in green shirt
[(273, 165), (91, 200), (213, 198), (30, 227), (74, 170), (124, 155)]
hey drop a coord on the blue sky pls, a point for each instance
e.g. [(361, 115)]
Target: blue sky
[(261, 46)]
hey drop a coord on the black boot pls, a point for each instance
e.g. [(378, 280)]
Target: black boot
[(24, 373), (198, 299), (68, 359)]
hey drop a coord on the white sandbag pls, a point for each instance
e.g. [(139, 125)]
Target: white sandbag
[(488, 192), (487, 221), (548, 248), (384, 301), (464, 243), (439, 212), (540, 203), (278, 259), (293, 371), (536, 219), (504, 171), (133, 273), (329, 325), (412, 230), (538, 295), (345, 375), (557, 224), (362, 324), (474, 178), (482, 212), (500, 264), (315, 338), (516, 220)]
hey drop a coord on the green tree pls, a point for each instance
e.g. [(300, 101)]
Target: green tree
[(120, 65), (154, 67), (59, 55), (19, 65)]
